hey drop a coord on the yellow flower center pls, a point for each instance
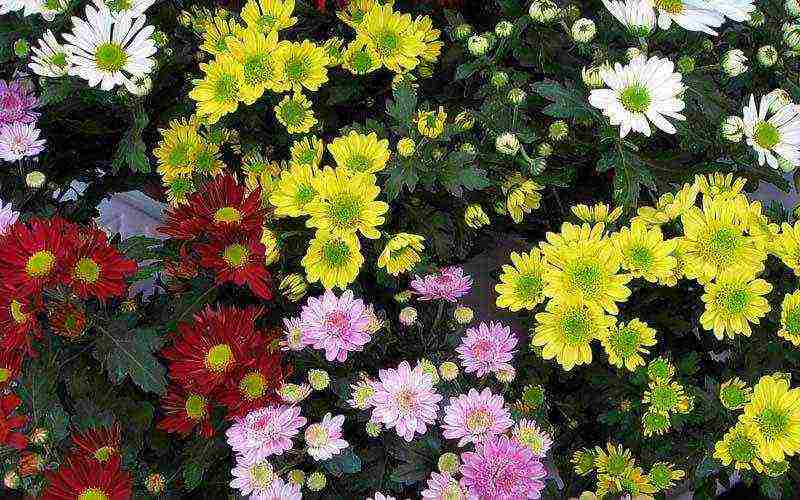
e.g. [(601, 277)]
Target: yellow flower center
[(635, 99), (104, 453), (219, 358), (236, 255), (317, 435), (40, 264), (5, 375), (17, 313), (93, 494), (86, 270), (670, 6), (766, 135), (262, 475), (228, 215), (479, 421), (110, 57), (253, 385), (195, 406)]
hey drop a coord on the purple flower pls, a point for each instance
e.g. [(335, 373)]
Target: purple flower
[(324, 439), (7, 217), (17, 103), (475, 417), (502, 469), (487, 348), (449, 284), (265, 432), (19, 140), (337, 325), (443, 487)]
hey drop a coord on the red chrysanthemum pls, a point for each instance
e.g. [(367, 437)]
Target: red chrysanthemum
[(220, 208), (95, 268), (9, 424), (85, 479), (253, 387), (10, 364), (18, 322), (211, 347), (32, 255), (240, 261), (98, 443), (185, 411)]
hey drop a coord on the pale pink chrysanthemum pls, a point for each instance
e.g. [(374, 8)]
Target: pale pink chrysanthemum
[(443, 487), (338, 325), (280, 490), (19, 140), (252, 477), (450, 283), (293, 335), (475, 417), (266, 431), (487, 348), (7, 217), (405, 399), (502, 469), (324, 439), (380, 496), (528, 433), (17, 103)]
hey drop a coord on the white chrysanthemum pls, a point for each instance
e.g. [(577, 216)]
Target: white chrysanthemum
[(108, 53), (119, 8), (776, 137), (735, 10), (28, 7), (50, 58), (18, 140), (692, 15), (637, 16), (645, 89)]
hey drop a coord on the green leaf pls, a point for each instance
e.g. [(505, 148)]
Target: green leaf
[(342, 93), (193, 474), (456, 179), (37, 390), (399, 177), (566, 103), (705, 468), (468, 69), (345, 462), (139, 247), (129, 352), (404, 105), (630, 174), (132, 151)]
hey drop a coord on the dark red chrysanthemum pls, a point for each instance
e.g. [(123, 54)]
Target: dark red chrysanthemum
[(240, 261), (9, 424), (10, 364), (18, 322), (95, 268), (98, 443), (221, 207), (212, 346), (253, 387), (185, 412), (82, 478)]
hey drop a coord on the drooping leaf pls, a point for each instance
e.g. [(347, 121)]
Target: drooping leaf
[(129, 352)]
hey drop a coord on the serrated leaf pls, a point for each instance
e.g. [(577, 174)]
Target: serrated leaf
[(566, 102), (37, 390), (132, 151), (345, 462), (129, 352), (404, 105), (400, 177)]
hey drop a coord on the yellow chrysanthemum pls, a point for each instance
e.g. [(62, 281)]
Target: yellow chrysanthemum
[(756, 223), (734, 301), (254, 51), (355, 10), (523, 198), (430, 38), (215, 34), (307, 151), (600, 212), (401, 253), (360, 58), (294, 191), (625, 344), (636, 483), (431, 123), (178, 189), (663, 476), (719, 185), (664, 396), (739, 447), (359, 152), (774, 410), (333, 260), (334, 51), (790, 318), (295, 113), (714, 240), (522, 284), (583, 461), (265, 178), (787, 246), (219, 92), (669, 206), (346, 203), (393, 36), (615, 461), (566, 329), (269, 16), (177, 150), (655, 423), (645, 253), (304, 64), (734, 394)]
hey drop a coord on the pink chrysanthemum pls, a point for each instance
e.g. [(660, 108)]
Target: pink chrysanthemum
[(324, 439), (443, 487), (253, 478), (337, 325), (7, 217), (380, 496), (280, 490), (17, 103), (502, 469), (19, 140), (265, 432), (475, 417), (449, 284), (292, 335), (487, 348), (528, 433), (405, 399)]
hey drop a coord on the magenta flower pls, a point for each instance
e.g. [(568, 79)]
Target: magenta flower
[(405, 399), (324, 439), (19, 140), (443, 487), (449, 284), (337, 325), (265, 432), (7, 217), (487, 348), (502, 469), (17, 103), (475, 417)]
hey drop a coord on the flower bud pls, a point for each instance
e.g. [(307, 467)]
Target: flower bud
[(478, 45), (558, 130), (507, 144), (316, 481), (448, 370), (733, 128), (475, 217), (154, 483), (686, 64), (516, 96), (543, 11), (463, 314), (21, 48), (734, 62), (408, 315), (293, 287), (318, 379), (373, 429), (462, 31), (544, 150), (406, 147), (35, 179), (584, 30), (767, 56), (503, 29), (499, 79), (591, 77)]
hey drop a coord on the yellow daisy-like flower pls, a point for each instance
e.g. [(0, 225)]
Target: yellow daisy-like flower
[(660, 369), (359, 152), (303, 64), (739, 447), (615, 461), (600, 212), (566, 329), (664, 396), (572, 232), (645, 253), (333, 260), (606, 485), (655, 423), (177, 149), (215, 34), (178, 190), (254, 52), (734, 394), (522, 284), (790, 318), (333, 48), (431, 123), (756, 223), (360, 58), (219, 92), (636, 483), (714, 240), (401, 253), (346, 203), (663, 475), (669, 206), (307, 151), (787, 246), (355, 10), (625, 344), (295, 190), (583, 461), (295, 113), (265, 178), (523, 199), (393, 36), (734, 301), (719, 185), (774, 410), (430, 37), (269, 16)]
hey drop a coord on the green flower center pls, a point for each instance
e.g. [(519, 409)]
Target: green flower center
[(736, 300), (636, 98), (640, 257), (664, 398), (659, 369), (307, 157), (93, 494), (104, 453), (304, 194), (655, 422), (296, 68), (110, 57), (359, 163), (262, 475), (180, 154), (336, 253), (742, 449), (86, 270), (5, 374), (361, 62), (585, 276), (59, 60), (773, 423), (529, 287), (530, 438), (226, 88), (670, 6), (181, 186), (766, 135), (625, 342), (616, 464), (219, 358), (576, 326), (227, 215), (257, 69), (253, 385), (195, 406), (387, 43), (206, 161), (236, 255), (292, 112), (40, 264), (733, 397), (660, 476), (793, 321), (118, 5), (266, 22), (723, 246), (345, 211)]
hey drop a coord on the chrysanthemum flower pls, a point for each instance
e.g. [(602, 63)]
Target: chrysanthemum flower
[(583, 461), (215, 34), (522, 198), (655, 423), (786, 246), (303, 65), (50, 58), (393, 35), (776, 138), (423, 25), (238, 260), (502, 468), (253, 478), (774, 410), (253, 386), (431, 123), (522, 285), (324, 439), (185, 412), (740, 447), (219, 92), (269, 16), (336, 324), (359, 152), (401, 253), (756, 223), (449, 284), (691, 15), (295, 190), (19, 140), (360, 57), (85, 479), (346, 203), (295, 113), (615, 461), (307, 152), (663, 475), (669, 206), (100, 443), (178, 149), (95, 268), (11, 424), (261, 71), (664, 396), (625, 344), (599, 212), (719, 185), (790, 318), (333, 260), (18, 322), (265, 432), (17, 103), (109, 51), (734, 394), (637, 16), (443, 486), (660, 369), (733, 302), (32, 255), (131, 8), (475, 417), (528, 433), (487, 348), (8, 216), (645, 253), (405, 400)]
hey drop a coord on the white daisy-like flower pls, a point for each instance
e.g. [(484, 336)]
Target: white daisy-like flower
[(324, 439), (110, 52), (637, 16), (130, 8), (252, 477), (28, 7), (645, 89), (692, 15), (50, 58), (774, 138), (735, 10), (18, 140)]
